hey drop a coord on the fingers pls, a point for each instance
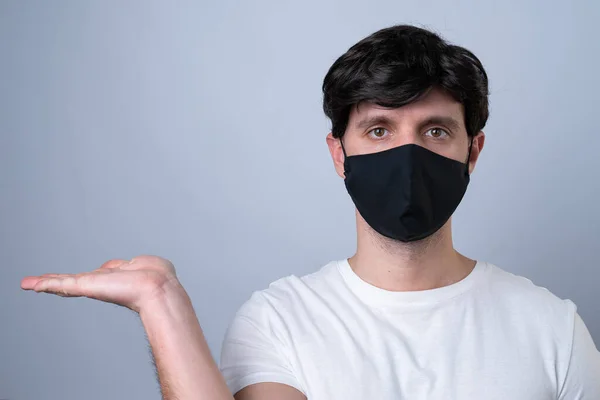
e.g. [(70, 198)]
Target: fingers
[(29, 282), (114, 264), (64, 285)]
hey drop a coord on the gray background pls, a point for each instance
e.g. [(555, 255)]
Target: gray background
[(194, 130)]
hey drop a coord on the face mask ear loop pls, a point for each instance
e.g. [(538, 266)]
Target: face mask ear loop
[(469, 157), (343, 149), (346, 168)]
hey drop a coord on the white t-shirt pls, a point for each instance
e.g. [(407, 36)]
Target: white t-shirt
[(491, 336)]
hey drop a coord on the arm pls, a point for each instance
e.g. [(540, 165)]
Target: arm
[(184, 364), (255, 355), (267, 391), (148, 285), (185, 367), (582, 381)]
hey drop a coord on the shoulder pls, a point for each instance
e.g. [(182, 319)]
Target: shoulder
[(286, 294), (551, 324), (516, 290), (271, 318), (257, 346), (531, 312)]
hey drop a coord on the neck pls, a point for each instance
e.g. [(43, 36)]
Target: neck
[(396, 266)]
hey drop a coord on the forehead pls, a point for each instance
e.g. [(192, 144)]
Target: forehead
[(436, 102)]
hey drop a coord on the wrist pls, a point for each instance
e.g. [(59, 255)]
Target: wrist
[(183, 358), (162, 298)]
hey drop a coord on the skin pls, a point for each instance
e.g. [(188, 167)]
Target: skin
[(149, 286)]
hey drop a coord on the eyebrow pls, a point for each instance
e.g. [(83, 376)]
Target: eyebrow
[(444, 120)]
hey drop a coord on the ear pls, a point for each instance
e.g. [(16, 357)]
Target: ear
[(337, 154), (477, 147)]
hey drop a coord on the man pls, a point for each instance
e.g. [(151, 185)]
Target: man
[(407, 316)]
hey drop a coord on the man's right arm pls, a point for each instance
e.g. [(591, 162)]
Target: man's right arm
[(184, 364), (185, 367), (269, 391), (257, 360), (148, 286)]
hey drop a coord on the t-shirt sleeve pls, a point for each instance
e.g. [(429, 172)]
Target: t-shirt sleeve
[(252, 351), (582, 380)]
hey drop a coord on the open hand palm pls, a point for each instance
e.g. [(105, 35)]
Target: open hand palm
[(122, 282)]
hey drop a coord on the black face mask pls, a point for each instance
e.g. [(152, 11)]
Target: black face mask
[(408, 192)]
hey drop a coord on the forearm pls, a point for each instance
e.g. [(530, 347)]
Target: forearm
[(185, 366)]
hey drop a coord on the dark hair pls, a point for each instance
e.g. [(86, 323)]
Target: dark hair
[(395, 66)]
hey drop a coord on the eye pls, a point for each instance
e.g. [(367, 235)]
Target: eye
[(378, 133), (437, 133)]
